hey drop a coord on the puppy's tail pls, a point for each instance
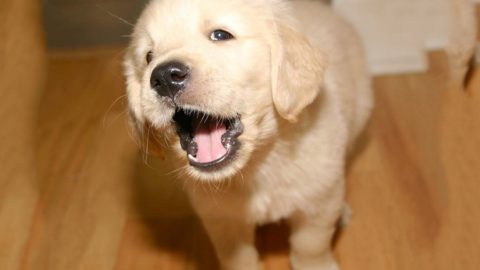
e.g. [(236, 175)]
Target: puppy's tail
[(462, 39)]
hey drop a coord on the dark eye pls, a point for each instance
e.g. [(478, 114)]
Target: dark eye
[(149, 57), (220, 35)]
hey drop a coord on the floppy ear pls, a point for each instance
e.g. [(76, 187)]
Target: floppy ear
[(297, 72)]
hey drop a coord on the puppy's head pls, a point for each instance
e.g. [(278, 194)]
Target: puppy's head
[(210, 77)]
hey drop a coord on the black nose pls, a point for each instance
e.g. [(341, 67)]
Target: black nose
[(169, 78)]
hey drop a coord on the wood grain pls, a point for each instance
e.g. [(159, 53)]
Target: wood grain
[(22, 78), (411, 190)]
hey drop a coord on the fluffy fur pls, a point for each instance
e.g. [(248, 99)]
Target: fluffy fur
[(296, 74)]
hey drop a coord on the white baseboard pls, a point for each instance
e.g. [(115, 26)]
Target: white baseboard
[(398, 64)]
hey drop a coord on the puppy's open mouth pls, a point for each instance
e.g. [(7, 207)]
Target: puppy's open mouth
[(211, 142)]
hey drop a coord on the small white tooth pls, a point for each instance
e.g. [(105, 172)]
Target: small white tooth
[(192, 157)]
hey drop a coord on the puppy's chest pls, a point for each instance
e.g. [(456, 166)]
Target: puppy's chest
[(271, 200), (270, 205)]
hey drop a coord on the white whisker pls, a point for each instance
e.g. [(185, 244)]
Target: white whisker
[(110, 108), (115, 16)]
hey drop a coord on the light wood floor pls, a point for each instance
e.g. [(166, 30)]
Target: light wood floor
[(414, 185)]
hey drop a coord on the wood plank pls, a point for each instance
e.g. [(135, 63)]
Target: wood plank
[(22, 78), (86, 159)]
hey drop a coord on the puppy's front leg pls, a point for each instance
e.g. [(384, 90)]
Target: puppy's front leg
[(233, 240), (311, 237)]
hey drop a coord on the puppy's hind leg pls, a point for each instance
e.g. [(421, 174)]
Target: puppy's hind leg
[(234, 243)]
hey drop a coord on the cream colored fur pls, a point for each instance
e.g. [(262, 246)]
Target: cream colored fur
[(296, 74)]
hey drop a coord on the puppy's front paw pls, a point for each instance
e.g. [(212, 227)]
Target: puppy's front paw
[(326, 262)]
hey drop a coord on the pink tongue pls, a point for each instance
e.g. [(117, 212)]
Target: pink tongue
[(208, 137)]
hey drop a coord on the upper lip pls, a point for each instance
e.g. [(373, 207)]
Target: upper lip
[(234, 128)]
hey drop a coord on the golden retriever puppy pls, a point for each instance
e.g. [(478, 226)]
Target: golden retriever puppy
[(257, 101)]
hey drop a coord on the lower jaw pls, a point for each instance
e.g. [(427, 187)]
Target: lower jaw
[(224, 172), (217, 164)]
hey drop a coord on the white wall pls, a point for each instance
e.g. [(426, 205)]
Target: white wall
[(398, 32)]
